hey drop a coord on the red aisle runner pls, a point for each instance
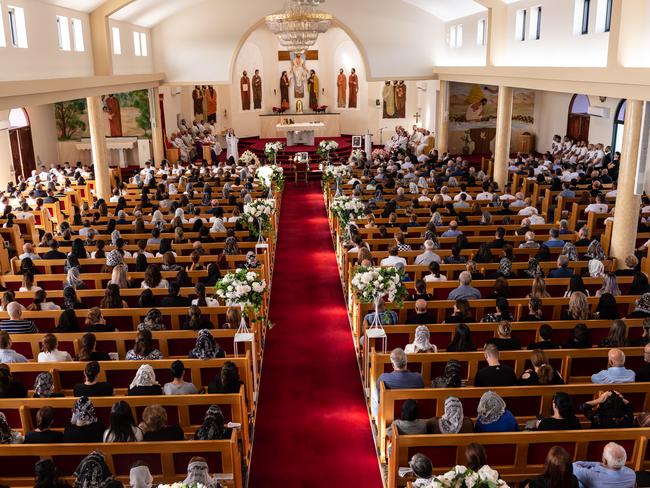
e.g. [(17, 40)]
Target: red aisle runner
[(312, 427)]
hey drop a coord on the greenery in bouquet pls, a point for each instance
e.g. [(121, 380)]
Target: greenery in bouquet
[(243, 288), (347, 209), (249, 158), (271, 150), (372, 283), (270, 176), (462, 477), (325, 148), (332, 172), (257, 216)]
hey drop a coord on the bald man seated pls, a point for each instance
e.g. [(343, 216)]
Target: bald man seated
[(610, 472), (616, 372)]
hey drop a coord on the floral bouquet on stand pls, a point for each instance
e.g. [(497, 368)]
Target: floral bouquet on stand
[(249, 158), (336, 174), (271, 150), (346, 209), (379, 153), (327, 147), (271, 177), (243, 288), (462, 477), (257, 216), (374, 283), (356, 154), (181, 484)]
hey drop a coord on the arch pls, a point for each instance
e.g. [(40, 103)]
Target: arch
[(577, 127), (18, 117), (335, 23), (618, 125)]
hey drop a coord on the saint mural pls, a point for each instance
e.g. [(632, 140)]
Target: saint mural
[(210, 95), (112, 108), (245, 89), (312, 87), (197, 97), (353, 82), (284, 90), (257, 90), (300, 73), (400, 99), (341, 86), (388, 95)]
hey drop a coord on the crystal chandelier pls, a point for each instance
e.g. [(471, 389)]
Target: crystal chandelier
[(299, 25)]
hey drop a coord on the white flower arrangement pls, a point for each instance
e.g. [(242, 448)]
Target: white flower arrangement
[(271, 150), (356, 154), (243, 288), (271, 175), (371, 284), (326, 147), (462, 477), (249, 158), (257, 216), (331, 172), (379, 153), (347, 208)]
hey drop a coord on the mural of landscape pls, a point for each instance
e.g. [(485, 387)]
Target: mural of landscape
[(127, 114), (473, 113)]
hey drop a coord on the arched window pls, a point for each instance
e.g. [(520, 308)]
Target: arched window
[(619, 123), (18, 118), (579, 105)]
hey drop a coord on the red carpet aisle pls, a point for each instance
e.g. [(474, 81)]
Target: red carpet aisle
[(312, 427)]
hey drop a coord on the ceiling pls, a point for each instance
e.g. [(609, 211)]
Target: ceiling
[(148, 13)]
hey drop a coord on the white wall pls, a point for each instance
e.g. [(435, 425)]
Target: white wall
[(558, 45), (397, 45), (551, 113), (43, 58), (470, 53), (128, 63), (6, 161), (336, 50), (44, 133)]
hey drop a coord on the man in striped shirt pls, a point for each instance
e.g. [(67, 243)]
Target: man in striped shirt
[(16, 324)]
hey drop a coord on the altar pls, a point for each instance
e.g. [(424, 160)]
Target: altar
[(122, 151), (271, 124), (300, 134)]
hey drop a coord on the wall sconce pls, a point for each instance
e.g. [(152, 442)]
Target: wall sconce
[(225, 114), (323, 91), (275, 92)]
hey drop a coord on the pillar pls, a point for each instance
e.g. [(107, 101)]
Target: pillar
[(157, 141), (627, 203), (98, 148), (502, 140), (442, 123)]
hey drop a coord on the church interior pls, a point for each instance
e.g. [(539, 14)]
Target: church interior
[(379, 243)]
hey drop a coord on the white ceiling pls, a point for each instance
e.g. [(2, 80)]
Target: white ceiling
[(148, 13), (447, 10)]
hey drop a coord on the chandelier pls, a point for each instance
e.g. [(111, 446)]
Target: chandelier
[(298, 27)]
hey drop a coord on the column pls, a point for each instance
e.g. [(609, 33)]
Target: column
[(442, 125), (98, 147), (502, 140), (157, 141), (627, 203)]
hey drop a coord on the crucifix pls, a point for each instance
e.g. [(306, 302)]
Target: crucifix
[(417, 117)]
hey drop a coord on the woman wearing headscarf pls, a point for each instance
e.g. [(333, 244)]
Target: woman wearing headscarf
[(74, 280), (180, 214), (451, 377), (157, 218), (421, 342), (251, 261), (569, 250), (198, 473), (206, 347), (140, 476), (44, 386), (641, 308), (114, 258), (492, 415), (596, 268), (213, 427), (144, 382), (436, 218), (84, 425), (453, 420), (218, 225), (595, 251), (8, 436), (93, 472), (115, 235), (152, 321)]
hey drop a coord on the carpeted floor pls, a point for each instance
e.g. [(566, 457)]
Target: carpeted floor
[(312, 427)]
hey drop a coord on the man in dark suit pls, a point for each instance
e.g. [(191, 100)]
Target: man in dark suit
[(54, 252), (563, 270)]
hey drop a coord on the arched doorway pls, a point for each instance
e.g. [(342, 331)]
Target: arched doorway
[(619, 123), (22, 147), (577, 127)]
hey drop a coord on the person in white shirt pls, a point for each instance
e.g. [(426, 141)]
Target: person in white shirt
[(519, 201), (528, 209), (425, 196), (599, 207), (535, 219), (444, 192), (392, 258), (612, 193), (28, 252), (486, 194), (50, 352)]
